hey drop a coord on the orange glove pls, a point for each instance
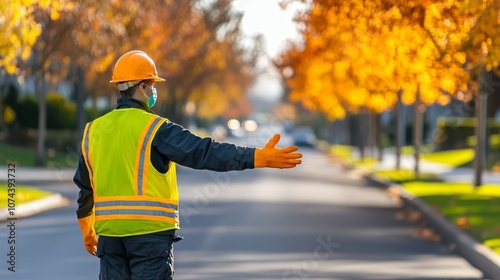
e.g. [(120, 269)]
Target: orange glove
[(88, 234), (270, 156)]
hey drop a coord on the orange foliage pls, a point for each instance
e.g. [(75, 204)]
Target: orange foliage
[(195, 45), (358, 54)]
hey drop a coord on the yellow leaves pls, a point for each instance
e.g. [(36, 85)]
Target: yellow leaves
[(20, 28), (18, 35), (375, 47), (460, 57), (484, 48), (429, 93), (448, 84), (9, 116), (340, 69), (357, 96), (380, 102), (481, 42), (54, 15), (443, 100), (215, 57), (208, 101), (409, 89), (394, 13), (101, 64)]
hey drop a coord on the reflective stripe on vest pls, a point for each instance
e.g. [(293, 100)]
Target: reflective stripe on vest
[(135, 203), (143, 154), (146, 208), (86, 153)]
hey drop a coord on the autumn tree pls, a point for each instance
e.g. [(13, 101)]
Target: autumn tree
[(72, 41), (361, 54), (29, 20), (200, 53), (195, 45), (20, 29), (466, 37), (481, 44)]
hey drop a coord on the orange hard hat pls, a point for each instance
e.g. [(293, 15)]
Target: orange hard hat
[(135, 66)]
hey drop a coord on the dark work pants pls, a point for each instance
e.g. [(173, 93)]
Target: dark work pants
[(141, 257)]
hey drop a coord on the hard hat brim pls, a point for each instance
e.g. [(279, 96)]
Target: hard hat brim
[(155, 78)]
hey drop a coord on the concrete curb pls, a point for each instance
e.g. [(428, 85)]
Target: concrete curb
[(34, 207), (478, 255)]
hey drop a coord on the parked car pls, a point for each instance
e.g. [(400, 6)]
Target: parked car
[(304, 136)]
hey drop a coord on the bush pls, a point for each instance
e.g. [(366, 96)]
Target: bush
[(452, 133), (27, 112), (61, 114)]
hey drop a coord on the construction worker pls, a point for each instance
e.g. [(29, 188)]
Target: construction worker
[(127, 180)]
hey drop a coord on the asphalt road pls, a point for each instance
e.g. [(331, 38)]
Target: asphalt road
[(312, 222)]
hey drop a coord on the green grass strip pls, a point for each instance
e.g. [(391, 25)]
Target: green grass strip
[(406, 175), (26, 157), (459, 202), (23, 194), (342, 151), (452, 158)]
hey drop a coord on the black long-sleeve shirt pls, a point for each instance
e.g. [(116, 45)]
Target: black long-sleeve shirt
[(172, 143)]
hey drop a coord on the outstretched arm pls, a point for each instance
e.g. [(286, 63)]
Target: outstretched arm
[(185, 148)]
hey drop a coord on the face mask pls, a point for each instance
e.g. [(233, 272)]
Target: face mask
[(152, 98)]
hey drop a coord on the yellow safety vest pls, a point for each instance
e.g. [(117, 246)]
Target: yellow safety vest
[(131, 197)]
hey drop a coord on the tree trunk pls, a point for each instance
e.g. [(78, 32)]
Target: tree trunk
[(356, 133), (362, 134), (417, 131), (378, 137), (371, 131), (42, 117), (481, 126), (346, 132), (4, 89), (400, 122), (171, 111), (79, 90), (171, 108)]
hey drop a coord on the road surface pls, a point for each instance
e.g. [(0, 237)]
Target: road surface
[(312, 222)]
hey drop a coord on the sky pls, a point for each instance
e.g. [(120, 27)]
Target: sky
[(266, 17)]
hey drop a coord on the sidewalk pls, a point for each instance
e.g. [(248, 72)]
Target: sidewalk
[(39, 174), (27, 175), (448, 173), (480, 256)]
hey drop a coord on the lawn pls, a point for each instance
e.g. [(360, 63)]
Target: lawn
[(406, 175), (453, 158), (23, 194), (342, 151), (26, 157), (345, 153), (477, 211)]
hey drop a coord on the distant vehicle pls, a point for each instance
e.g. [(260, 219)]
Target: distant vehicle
[(304, 136), (218, 132)]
